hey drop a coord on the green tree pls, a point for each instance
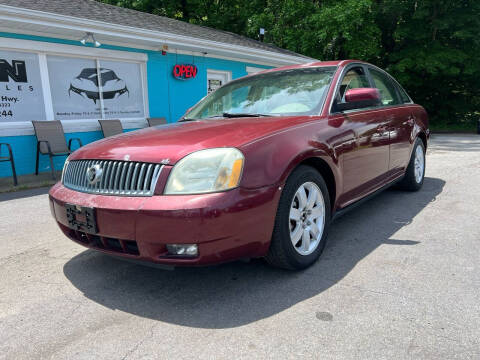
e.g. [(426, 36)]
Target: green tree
[(430, 46), (435, 54), (229, 15)]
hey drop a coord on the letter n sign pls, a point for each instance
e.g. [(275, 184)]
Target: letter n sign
[(184, 71), (17, 71)]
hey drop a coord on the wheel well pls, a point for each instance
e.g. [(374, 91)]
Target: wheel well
[(324, 169), (423, 137)]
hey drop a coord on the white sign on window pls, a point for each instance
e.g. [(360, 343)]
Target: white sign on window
[(21, 95), (79, 90), (122, 90), (74, 88)]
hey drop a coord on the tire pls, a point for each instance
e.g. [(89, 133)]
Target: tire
[(413, 179), (282, 252)]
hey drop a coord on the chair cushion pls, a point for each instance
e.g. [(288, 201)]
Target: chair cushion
[(111, 127), (156, 121), (51, 131)]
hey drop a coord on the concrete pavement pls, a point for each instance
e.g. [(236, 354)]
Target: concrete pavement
[(399, 279)]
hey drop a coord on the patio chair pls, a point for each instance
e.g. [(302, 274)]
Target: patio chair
[(51, 141), (9, 158), (111, 127), (156, 121)]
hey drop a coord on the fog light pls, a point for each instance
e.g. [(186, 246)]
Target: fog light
[(187, 250)]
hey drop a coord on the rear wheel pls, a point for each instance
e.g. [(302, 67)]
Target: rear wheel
[(302, 221), (415, 172)]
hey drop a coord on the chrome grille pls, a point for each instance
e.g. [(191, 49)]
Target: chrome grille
[(127, 178)]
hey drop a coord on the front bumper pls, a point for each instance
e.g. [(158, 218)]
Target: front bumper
[(225, 226)]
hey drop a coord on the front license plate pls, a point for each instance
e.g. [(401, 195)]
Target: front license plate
[(81, 218)]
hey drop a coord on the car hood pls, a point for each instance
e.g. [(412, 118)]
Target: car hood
[(169, 143)]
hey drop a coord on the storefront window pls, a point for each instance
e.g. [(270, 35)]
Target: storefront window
[(74, 88), (87, 89), (21, 95), (122, 89)]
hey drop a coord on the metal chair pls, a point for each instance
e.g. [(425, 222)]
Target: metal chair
[(111, 127), (9, 158), (51, 141), (156, 121)]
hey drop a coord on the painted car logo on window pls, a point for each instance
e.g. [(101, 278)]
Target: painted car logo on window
[(87, 84), (94, 174)]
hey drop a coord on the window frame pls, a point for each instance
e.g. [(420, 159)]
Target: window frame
[(372, 84), (395, 84), (345, 70), (388, 78)]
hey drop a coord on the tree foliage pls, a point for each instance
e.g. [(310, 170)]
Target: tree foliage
[(430, 46)]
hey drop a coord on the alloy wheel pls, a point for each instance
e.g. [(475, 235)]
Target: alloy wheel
[(307, 218), (419, 164)]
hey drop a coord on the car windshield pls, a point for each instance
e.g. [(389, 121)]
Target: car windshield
[(288, 92)]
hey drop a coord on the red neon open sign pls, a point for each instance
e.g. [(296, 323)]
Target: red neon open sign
[(184, 71)]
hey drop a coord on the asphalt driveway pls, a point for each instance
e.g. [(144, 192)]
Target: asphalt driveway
[(400, 278)]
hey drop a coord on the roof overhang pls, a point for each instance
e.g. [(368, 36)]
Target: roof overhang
[(34, 22)]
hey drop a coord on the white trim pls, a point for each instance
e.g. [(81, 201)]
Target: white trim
[(132, 34), (144, 79), (220, 72), (45, 79), (70, 50), (139, 47), (19, 128), (253, 69), (64, 36), (100, 88), (213, 56)]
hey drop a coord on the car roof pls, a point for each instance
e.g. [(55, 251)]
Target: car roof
[(314, 65)]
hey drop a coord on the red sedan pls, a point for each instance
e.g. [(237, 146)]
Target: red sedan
[(259, 168)]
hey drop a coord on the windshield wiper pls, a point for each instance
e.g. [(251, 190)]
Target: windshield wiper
[(235, 115), (227, 115), (195, 119)]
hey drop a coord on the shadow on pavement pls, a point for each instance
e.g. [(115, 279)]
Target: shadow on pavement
[(238, 293), (24, 193)]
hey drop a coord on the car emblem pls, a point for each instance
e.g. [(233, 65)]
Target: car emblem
[(126, 157), (94, 174)]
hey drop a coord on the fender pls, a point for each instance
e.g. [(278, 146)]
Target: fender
[(420, 127), (272, 159)]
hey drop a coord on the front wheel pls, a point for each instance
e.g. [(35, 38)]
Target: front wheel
[(302, 221), (415, 173)]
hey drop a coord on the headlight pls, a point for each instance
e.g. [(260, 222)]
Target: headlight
[(65, 168), (206, 171)]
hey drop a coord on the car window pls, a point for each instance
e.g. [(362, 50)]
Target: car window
[(288, 92), (386, 88), (234, 99), (354, 78), (403, 95)]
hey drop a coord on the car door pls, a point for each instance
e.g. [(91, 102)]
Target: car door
[(364, 148), (399, 120)]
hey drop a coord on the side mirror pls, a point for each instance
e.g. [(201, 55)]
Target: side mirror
[(359, 98)]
